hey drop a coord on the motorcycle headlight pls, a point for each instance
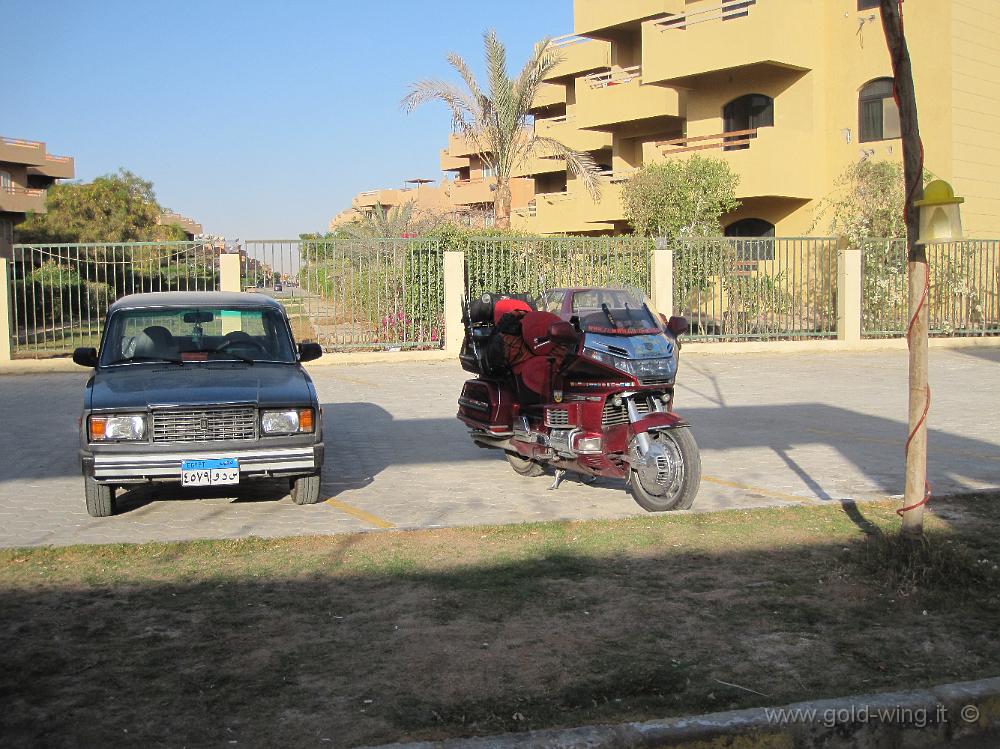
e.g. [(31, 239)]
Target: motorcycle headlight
[(117, 428), (663, 368), (291, 421), (649, 369)]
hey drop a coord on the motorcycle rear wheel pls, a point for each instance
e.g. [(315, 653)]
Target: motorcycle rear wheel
[(680, 493), (525, 466)]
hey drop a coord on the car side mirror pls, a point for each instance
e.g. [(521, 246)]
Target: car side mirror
[(309, 351), (562, 332), (85, 356), (678, 325)]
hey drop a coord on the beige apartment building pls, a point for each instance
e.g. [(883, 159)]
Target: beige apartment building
[(26, 171), (788, 92), (459, 199), (188, 225)]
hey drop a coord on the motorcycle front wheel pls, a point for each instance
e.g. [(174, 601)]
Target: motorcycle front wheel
[(672, 481), (525, 466)]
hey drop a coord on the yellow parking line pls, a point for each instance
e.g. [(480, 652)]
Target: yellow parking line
[(759, 490), (359, 514)]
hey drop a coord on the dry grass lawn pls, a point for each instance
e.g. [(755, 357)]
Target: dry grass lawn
[(361, 639)]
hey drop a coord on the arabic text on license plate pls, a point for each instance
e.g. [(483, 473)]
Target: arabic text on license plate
[(210, 472)]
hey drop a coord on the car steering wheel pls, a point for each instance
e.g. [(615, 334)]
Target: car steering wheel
[(243, 342)]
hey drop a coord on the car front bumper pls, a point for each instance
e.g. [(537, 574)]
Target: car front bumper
[(258, 462)]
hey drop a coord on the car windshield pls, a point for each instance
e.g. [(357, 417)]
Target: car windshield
[(190, 334), (615, 312)]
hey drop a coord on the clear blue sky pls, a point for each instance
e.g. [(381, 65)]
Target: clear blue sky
[(259, 119)]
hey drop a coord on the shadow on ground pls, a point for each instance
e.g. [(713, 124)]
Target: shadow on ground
[(366, 639)]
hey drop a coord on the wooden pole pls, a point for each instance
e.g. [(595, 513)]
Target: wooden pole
[(919, 401)]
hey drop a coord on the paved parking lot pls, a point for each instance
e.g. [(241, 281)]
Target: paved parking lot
[(773, 428)]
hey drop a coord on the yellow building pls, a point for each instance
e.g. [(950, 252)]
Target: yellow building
[(789, 92)]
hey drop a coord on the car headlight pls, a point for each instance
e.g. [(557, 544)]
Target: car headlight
[(117, 428), (291, 421)]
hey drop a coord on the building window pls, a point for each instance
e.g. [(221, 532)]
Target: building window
[(748, 112), (755, 239), (878, 115), (867, 4), (737, 10), (488, 172), (5, 181)]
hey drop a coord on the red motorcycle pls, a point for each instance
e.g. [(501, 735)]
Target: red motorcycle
[(581, 379)]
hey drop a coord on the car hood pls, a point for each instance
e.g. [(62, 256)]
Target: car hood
[(150, 385)]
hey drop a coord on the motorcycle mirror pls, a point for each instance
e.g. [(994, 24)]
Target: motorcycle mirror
[(678, 325), (562, 332)]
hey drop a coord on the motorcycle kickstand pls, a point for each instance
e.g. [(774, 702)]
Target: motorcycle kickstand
[(560, 475)]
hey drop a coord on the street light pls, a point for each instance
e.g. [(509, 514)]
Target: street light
[(940, 215)]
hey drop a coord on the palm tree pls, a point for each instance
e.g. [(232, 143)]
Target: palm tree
[(495, 120), (398, 221)]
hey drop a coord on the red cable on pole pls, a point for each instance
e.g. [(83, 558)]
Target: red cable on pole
[(911, 189)]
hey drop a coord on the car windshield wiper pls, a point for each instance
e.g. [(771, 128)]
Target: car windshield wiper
[(139, 359)]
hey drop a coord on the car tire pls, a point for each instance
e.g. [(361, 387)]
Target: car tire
[(305, 490), (100, 498)]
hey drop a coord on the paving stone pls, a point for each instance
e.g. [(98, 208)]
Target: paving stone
[(820, 427)]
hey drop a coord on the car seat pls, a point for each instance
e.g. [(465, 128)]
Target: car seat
[(156, 342)]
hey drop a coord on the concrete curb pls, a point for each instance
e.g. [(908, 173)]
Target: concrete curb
[(64, 364), (921, 718)]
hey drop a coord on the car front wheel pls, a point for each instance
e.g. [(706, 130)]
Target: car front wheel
[(100, 498), (305, 490)]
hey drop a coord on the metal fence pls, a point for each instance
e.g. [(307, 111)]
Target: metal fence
[(59, 294), (351, 294), (529, 266), (761, 288), (964, 281)]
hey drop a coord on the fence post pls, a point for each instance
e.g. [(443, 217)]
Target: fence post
[(6, 318), (229, 272), (663, 280), (848, 292), (454, 295)]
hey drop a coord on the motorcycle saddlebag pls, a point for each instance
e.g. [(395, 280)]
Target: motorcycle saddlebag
[(485, 406)]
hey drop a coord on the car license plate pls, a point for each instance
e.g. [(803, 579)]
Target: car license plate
[(210, 472)]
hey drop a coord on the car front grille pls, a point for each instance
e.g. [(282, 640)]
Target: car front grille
[(205, 425)]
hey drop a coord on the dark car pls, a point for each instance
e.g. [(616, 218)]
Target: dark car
[(200, 388)]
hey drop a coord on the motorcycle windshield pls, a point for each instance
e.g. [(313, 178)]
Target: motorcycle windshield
[(615, 312)]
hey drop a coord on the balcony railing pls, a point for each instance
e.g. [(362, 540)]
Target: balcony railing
[(567, 40), (614, 177), (22, 143), (726, 11), (18, 190), (732, 140), (615, 77)]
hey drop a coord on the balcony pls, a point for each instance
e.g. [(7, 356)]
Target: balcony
[(14, 151), (472, 191), (187, 225), (769, 161), (549, 95), (579, 55), (558, 213), (386, 198), (451, 163), (54, 167), (17, 199), (618, 99), (567, 131), (711, 36), (601, 18)]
